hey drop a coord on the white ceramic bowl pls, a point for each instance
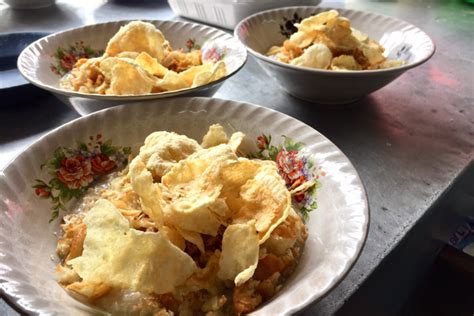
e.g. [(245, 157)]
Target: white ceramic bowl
[(337, 228), (227, 13), (401, 40), (35, 61)]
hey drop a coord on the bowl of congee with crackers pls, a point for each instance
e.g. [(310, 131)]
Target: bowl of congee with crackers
[(102, 65), (332, 56), (184, 206)]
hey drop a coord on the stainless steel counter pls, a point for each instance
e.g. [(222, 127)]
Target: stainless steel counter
[(409, 141)]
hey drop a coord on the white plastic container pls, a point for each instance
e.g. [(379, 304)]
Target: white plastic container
[(227, 13)]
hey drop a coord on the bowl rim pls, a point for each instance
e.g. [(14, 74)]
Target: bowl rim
[(15, 300), (139, 97), (345, 73)]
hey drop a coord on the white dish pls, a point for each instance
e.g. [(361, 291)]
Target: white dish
[(36, 60), (401, 40), (227, 13), (337, 228)]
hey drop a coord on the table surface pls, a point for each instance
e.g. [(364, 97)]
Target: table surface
[(409, 141)]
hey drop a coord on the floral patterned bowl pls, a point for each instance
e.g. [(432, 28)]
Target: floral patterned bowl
[(401, 41), (46, 60), (50, 175)]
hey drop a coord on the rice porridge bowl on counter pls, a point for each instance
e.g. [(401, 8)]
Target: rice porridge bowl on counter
[(186, 228)]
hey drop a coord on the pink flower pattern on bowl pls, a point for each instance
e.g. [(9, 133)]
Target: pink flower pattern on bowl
[(75, 172), (72, 170), (213, 52), (295, 166), (66, 58)]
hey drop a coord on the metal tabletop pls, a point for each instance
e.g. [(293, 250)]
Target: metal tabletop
[(409, 141)]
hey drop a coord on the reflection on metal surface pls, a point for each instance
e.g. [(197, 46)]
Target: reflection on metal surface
[(441, 77)]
